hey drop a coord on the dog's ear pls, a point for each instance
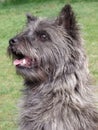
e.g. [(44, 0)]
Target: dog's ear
[(30, 18), (67, 19)]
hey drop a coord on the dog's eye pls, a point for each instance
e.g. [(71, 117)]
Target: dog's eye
[(43, 36)]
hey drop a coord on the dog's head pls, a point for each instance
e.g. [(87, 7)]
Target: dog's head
[(47, 49)]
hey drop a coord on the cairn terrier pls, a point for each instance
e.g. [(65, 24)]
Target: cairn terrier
[(49, 55)]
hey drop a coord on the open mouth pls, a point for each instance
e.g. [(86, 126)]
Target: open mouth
[(23, 61)]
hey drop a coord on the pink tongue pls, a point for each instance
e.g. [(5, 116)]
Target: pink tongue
[(17, 62)]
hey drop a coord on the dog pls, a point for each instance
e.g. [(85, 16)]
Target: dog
[(50, 57)]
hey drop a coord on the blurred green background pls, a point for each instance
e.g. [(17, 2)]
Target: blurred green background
[(12, 20)]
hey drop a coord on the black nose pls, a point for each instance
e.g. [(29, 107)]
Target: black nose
[(12, 41)]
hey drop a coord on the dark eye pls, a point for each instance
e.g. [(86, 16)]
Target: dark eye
[(43, 36)]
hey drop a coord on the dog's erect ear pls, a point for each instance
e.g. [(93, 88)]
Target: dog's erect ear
[(67, 19), (30, 18)]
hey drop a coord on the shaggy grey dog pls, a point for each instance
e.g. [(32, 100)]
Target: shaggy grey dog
[(49, 55)]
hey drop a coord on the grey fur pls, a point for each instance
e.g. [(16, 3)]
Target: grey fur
[(57, 93)]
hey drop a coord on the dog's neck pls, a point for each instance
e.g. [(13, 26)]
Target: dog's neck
[(61, 89), (50, 101)]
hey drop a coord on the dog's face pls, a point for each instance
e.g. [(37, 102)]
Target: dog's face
[(45, 47)]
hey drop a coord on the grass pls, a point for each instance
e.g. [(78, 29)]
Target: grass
[(12, 20)]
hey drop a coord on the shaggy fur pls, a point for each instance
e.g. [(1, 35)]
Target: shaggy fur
[(49, 55)]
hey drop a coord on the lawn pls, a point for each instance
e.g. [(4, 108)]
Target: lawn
[(12, 20)]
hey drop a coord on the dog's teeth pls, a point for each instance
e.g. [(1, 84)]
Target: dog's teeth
[(24, 61)]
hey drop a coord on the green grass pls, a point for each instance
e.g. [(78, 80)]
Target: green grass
[(12, 20)]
